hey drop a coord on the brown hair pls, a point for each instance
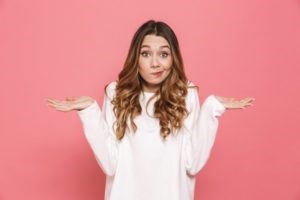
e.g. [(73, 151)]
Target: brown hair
[(170, 107)]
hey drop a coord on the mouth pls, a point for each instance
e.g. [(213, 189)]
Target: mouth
[(157, 73)]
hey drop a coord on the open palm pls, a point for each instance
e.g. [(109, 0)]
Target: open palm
[(232, 103), (71, 103)]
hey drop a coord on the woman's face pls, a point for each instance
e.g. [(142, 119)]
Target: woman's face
[(155, 61)]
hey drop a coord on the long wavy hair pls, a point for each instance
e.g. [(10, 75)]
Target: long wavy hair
[(170, 107)]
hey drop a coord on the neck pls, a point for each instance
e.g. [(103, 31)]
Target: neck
[(150, 88)]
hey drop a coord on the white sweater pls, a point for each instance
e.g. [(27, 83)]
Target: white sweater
[(142, 166)]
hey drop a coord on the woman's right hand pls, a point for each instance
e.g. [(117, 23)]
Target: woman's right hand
[(71, 103)]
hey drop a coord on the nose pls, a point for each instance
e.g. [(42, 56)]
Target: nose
[(155, 62)]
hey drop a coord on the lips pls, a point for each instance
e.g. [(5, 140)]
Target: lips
[(157, 73)]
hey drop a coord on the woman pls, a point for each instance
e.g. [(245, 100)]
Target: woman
[(151, 138)]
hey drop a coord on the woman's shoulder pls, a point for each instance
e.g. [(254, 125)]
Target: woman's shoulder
[(191, 86), (192, 92), (111, 85), (110, 89)]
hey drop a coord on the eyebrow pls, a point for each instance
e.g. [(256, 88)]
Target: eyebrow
[(159, 47)]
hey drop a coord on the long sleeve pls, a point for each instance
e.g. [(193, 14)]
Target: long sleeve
[(201, 126), (98, 130)]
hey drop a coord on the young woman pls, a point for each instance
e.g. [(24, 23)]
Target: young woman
[(151, 138)]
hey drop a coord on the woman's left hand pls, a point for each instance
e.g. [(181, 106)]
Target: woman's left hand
[(232, 103)]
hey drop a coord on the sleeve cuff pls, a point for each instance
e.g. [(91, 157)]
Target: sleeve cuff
[(91, 108), (218, 107)]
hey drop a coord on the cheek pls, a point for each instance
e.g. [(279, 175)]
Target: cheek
[(143, 70), (141, 66), (143, 63), (167, 63), (168, 71)]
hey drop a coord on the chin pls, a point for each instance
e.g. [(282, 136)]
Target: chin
[(153, 83), (156, 82)]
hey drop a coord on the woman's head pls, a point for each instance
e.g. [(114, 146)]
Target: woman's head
[(148, 54), (154, 64)]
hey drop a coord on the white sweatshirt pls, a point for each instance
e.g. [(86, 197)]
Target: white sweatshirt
[(142, 166)]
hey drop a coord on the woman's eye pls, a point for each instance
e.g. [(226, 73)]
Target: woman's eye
[(164, 54), (145, 54)]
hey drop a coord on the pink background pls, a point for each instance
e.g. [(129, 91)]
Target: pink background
[(232, 48)]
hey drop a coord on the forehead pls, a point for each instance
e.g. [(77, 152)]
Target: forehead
[(155, 41)]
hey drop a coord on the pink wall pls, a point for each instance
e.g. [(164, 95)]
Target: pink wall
[(233, 48)]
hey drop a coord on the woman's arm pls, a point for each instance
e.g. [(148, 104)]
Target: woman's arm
[(98, 130), (201, 126), (97, 126)]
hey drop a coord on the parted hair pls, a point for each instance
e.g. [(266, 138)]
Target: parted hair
[(169, 107)]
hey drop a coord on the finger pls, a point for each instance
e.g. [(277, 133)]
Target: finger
[(249, 99), (241, 105), (50, 105), (59, 104), (56, 107), (70, 98), (247, 105), (246, 100), (53, 105), (53, 101), (62, 108), (49, 100)]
